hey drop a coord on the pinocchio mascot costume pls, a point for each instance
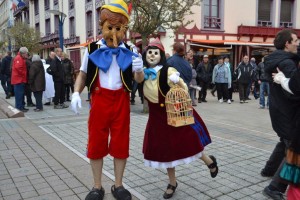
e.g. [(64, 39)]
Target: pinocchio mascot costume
[(108, 69)]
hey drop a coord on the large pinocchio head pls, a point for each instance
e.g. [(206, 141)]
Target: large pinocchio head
[(114, 20)]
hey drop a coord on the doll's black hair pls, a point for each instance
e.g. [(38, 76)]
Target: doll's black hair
[(163, 60)]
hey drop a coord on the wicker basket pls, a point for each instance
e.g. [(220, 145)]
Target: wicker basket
[(179, 107)]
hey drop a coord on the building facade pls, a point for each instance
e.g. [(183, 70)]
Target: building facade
[(231, 27)]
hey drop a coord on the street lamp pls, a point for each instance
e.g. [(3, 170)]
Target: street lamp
[(61, 18)]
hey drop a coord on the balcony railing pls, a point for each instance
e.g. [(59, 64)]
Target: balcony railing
[(212, 22), (264, 23), (286, 24), (52, 36), (72, 40), (260, 31)]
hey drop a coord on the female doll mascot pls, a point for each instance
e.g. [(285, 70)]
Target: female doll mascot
[(166, 146)]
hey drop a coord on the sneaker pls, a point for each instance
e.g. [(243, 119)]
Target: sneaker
[(273, 194), (245, 101), (241, 101), (228, 101), (221, 100), (58, 107), (248, 98), (37, 110), (24, 110), (261, 107)]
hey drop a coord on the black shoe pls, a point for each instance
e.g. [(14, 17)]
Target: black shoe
[(213, 165), (231, 100), (47, 104), (265, 173), (7, 97), (30, 105), (171, 187), (24, 110), (203, 100), (273, 194), (248, 98), (121, 193), (132, 102), (212, 93), (199, 101), (95, 194)]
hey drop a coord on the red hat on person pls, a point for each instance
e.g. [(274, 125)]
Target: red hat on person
[(157, 43)]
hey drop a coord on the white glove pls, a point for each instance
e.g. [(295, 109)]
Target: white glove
[(280, 78), (76, 101), (137, 63), (174, 77)]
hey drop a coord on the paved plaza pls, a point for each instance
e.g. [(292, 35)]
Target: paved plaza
[(42, 156)]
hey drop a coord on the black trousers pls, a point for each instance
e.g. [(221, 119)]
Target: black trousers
[(243, 91), (222, 90), (203, 91), (59, 96), (278, 158)]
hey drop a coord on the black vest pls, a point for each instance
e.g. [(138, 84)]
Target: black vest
[(92, 71)]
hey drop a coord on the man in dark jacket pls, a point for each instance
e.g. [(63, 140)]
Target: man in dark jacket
[(58, 79), (180, 64), (263, 83), (204, 73), (6, 73), (244, 75), (282, 107)]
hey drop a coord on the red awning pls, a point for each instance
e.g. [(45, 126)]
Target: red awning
[(230, 42)]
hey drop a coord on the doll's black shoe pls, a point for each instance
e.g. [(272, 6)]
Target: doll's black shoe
[(171, 187), (213, 165)]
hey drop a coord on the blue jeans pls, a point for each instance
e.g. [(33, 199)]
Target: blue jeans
[(19, 95), (264, 87)]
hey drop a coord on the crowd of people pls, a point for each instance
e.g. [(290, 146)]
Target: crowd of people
[(50, 80)]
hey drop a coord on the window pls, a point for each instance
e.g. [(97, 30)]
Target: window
[(55, 2), (286, 13), (47, 4), (211, 14), (264, 13), (47, 27), (71, 4), (89, 24), (72, 27), (37, 27), (36, 7), (87, 1), (56, 23), (98, 21)]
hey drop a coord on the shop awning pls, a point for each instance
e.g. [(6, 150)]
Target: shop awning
[(211, 43)]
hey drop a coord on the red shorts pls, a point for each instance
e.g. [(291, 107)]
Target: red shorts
[(108, 124)]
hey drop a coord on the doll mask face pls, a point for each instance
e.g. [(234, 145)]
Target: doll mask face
[(113, 34), (153, 57)]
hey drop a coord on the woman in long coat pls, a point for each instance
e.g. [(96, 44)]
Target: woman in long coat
[(37, 81)]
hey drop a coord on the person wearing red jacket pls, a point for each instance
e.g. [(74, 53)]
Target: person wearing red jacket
[(19, 78)]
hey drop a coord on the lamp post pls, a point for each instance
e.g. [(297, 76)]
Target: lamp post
[(61, 18)]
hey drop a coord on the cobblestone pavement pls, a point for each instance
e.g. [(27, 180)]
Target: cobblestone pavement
[(242, 141)]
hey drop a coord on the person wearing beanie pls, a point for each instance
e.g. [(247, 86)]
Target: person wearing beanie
[(167, 146), (107, 70)]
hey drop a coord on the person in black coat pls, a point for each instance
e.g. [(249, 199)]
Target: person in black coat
[(58, 75), (6, 74), (282, 107), (36, 81)]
